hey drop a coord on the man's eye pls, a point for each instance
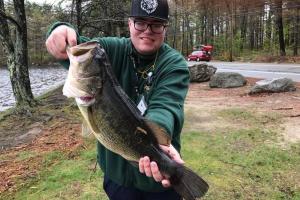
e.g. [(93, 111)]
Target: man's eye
[(140, 23), (157, 25)]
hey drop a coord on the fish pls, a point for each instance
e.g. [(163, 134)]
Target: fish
[(114, 119)]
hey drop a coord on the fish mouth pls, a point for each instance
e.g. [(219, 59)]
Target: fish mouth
[(85, 100)]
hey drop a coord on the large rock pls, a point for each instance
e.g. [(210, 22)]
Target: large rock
[(201, 72), (273, 85), (227, 80)]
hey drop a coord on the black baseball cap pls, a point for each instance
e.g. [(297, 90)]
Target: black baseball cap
[(157, 9)]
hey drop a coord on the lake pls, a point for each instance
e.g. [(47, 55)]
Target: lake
[(41, 79)]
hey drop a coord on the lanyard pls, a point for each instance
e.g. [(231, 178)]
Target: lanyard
[(136, 78)]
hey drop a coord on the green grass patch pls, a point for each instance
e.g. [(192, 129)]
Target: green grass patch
[(239, 162), (239, 165), (251, 118), (25, 155), (63, 177)]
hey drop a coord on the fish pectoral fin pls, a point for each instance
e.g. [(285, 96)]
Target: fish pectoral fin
[(88, 118), (159, 132), (85, 129)]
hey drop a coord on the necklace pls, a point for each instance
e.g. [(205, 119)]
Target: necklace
[(144, 73)]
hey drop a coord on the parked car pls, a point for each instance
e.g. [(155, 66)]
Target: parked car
[(199, 56), (201, 53)]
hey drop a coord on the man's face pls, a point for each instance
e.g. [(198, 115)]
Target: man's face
[(146, 42)]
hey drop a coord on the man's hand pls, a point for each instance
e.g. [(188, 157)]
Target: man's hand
[(58, 40), (151, 168)]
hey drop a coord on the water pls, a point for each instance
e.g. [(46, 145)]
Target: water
[(41, 79)]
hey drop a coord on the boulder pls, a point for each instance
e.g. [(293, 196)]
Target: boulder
[(273, 85), (201, 72), (227, 80)]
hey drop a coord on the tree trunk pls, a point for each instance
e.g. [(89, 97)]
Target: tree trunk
[(211, 27), (78, 16), (243, 26), (198, 26), (175, 27), (230, 11), (17, 54), (296, 32), (72, 11), (269, 29), (251, 32), (279, 24), (182, 37), (189, 43), (262, 29), (183, 29), (203, 28)]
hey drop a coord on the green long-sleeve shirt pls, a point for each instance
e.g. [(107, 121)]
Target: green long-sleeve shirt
[(164, 95)]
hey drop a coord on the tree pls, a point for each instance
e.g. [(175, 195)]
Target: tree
[(296, 33), (279, 24), (233, 27), (15, 46)]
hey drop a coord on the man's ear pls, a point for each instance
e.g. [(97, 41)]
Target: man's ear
[(129, 22)]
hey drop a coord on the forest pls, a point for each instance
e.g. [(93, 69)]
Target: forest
[(257, 30), (236, 28)]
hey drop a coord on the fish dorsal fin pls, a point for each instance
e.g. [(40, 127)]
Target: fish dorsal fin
[(159, 132)]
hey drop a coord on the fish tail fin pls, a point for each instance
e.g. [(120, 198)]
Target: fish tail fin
[(188, 184)]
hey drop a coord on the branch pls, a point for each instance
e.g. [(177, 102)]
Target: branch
[(101, 20), (2, 13)]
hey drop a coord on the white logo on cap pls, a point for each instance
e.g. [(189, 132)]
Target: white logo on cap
[(149, 5)]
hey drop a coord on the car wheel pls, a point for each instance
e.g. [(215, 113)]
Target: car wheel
[(198, 59)]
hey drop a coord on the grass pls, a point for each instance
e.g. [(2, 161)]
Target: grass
[(244, 163), (240, 166), (65, 178), (239, 162)]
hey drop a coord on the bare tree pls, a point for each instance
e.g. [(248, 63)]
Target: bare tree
[(15, 46)]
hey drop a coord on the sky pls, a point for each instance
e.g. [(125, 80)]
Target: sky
[(44, 1), (51, 2)]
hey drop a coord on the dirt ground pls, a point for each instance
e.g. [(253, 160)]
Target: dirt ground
[(202, 97), (45, 131)]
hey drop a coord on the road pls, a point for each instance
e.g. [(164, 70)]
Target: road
[(258, 70)]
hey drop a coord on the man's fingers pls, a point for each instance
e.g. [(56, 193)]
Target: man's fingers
[(60, 43), (141, 165), (155, 172), (53, 50), (71, 37), (165, 148), (173, 153), (151, 170), (177, 159), (166, 183), (147, 168)]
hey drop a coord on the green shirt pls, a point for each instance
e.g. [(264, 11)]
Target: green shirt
[(164, 95)]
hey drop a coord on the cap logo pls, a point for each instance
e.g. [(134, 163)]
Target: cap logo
[(149, 6)]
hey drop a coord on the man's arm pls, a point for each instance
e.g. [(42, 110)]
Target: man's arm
[(166, 109)]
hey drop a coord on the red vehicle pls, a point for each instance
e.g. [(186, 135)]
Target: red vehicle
[(201, 53)]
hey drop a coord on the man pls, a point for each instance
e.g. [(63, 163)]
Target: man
[(155, 77)]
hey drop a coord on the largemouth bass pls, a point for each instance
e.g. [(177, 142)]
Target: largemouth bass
[(116, 121)]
